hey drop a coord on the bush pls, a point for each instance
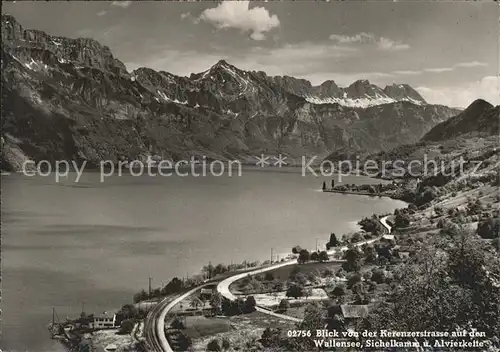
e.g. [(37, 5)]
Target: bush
[(226, 344), (214, 346), (304, 256), (378, 276), (296, 249), (269, 276), (323, 256), (338, 291), (126, 327), (250, 304), (177, 324), (284, 305), (295, 291), (327, 272), (359, 288), (353, 279), (402, 220)]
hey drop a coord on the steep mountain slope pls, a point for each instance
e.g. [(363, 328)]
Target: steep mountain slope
[(479, 117), (471, 136), (72, 99)]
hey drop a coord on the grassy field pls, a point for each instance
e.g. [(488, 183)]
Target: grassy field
[(200, 326), (283, 273)]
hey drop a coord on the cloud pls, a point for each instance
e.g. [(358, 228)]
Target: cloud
[(387, 44), (471, 64), (439, 69), (462, 96), (358, 38), (122, 4), (188, 16), (237, 14), (382, 43), (407, 72), (101, 13)]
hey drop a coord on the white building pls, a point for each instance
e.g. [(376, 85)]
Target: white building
[(104, 321)]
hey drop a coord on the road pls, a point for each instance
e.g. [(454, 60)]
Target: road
[(154, 325)]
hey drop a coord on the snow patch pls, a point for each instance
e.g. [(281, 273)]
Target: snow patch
[(164, 97), (364, 102)]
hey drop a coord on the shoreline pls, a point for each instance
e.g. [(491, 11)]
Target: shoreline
[(289, 256)]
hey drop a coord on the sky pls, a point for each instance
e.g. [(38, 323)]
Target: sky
[(448, 51)]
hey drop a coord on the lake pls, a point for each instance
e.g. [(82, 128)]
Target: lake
[(66, 244)]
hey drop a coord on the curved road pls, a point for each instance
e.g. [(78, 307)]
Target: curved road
[(155, 321), (223, 286), (154, 326)]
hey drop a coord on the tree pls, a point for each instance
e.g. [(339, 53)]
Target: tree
[(195, 302), (313, 318), (333, 241), (141, 296), (270, 337), (216, 302), (250, 304), (304, 256), (295, 290), (489, 229), (314, 256), (214, 346), (220, 269), (126, 327), (353, 260), (402, 220), (284, 305), (174, 286), (296, 249), (323, 256), (307, 292), (353, 279), (208, 270), (338, 291)]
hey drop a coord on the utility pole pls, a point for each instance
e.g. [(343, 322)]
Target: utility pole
[(83, 307), (150, 287), (271, 255), (316, 244)]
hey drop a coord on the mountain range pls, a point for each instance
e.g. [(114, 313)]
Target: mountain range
[(72, 99)]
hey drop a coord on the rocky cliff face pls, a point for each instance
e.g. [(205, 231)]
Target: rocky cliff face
[(71, 99)]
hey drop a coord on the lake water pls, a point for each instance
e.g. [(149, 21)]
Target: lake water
[(97, 243)]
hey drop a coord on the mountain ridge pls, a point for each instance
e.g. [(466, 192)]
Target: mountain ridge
[(72, 99), (479, 117)]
